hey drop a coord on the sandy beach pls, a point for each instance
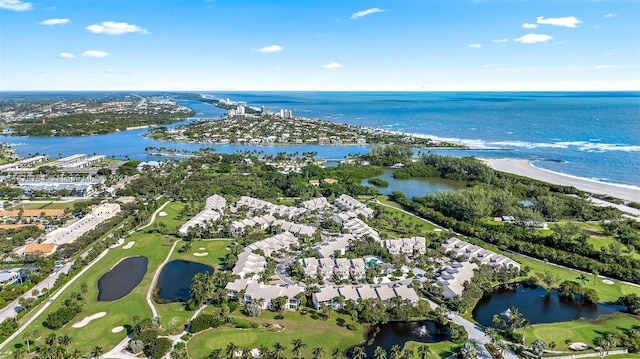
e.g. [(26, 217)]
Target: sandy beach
[(523, 167)]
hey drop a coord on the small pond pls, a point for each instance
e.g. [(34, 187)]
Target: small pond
[(415, 187), (122, 278), (536, 305), (388, 334), (175, 279)]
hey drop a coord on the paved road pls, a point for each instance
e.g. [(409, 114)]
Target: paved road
[(53, 298), (9, 311)]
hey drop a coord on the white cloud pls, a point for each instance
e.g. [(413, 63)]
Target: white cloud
[(475, 46), (359, 14), (568, 21), (500, 41), (533, 38), (269, 49), (332, 65), (95, 53), (527, 25), (15, 5), (610, 15), (115, 28), (66, 55), (51, 22)]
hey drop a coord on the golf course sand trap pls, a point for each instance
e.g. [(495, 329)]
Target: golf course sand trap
[(201, 254), (162, 214), (201, 248), (129, 245), (88, 319), (117, 329), (606, 281), (578, 346)]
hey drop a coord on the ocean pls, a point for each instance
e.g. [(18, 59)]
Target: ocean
[(594, 135)]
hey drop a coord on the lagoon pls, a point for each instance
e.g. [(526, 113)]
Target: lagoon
[(415, 187), (536, 305), (388, 334)]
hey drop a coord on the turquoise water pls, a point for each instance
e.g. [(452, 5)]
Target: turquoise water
[(588, 134)]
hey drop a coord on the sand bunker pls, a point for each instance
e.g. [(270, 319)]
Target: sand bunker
[(578, 346), (88, 319), (117, 329), (606, 281), (201, 248), (437, 230), (162, 214), (129, 245), (201, 254)]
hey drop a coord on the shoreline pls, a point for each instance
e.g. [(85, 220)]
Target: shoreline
[(525, 167)]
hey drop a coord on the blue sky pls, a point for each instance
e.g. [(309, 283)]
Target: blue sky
[(320, 45)]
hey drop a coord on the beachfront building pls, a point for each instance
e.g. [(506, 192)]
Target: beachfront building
[(213, 210), (406, 246), (461, 248)]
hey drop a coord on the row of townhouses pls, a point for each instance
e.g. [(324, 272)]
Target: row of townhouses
[(262, 223), (329, 295), (470, 251), (349, 203), (247, 291), (359, 229), (406, 245), (281, 210), (213, 210), (327, 268)]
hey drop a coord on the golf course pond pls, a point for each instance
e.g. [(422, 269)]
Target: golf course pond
[(122, 278), (536, 305), (388, 334), (175, 280)]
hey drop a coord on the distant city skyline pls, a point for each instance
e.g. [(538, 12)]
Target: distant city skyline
[(389, 45)]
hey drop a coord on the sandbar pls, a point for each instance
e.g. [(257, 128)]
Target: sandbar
[(129, 245), (523, 167), (88, 319)]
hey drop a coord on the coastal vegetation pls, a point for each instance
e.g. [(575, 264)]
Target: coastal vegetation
[(93, 123)]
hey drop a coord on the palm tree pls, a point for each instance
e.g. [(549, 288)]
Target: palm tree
[(538, 347), (380, 353), (75, 354), (336, 354), (468, 350), (298, 346), (51, 340), (396, 352), (515, 318), (215, 354), (231, 350), (424, 352), (278, 351), (582, 278), (97, 352), (358, 353), (407, 354), (18, 354), (65, 341), (318, 353), (27, 339)]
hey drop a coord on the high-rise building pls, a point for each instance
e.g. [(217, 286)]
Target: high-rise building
[(284, 113)]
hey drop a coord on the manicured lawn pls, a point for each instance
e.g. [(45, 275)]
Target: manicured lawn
[(49, 205), (586, 331), (216, 249), (312, 332), (441, 350), (119, 312)]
